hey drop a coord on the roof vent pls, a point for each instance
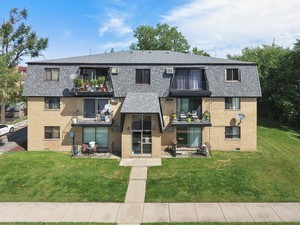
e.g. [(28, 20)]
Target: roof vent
[(170, 70)]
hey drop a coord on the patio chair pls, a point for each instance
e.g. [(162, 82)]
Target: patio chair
[(84, 148), (182, 116), (194, 115)]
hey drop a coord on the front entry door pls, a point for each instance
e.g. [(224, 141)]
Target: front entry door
[(141, 142), (141, 134)]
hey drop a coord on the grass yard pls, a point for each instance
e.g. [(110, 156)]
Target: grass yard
[(272, 174), (55, 177)]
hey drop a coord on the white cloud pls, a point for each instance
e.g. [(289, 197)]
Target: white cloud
[(224, 26), (115, 25)]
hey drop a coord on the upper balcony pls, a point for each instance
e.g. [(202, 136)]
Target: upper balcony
[(189, 82), (93, 82)]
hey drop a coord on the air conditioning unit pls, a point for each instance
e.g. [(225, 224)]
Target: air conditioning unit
[(114, 100), (170, 70), (114, 70)]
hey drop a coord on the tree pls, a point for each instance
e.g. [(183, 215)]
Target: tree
[(279, 78), (197, 51), (162, 37), (17, 40)]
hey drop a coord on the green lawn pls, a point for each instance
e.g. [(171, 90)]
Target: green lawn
[(272, 174), (55, 177)]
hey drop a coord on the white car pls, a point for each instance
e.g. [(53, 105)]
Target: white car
[(5, 129)]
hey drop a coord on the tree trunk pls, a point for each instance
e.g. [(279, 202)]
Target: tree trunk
[(2, 109)]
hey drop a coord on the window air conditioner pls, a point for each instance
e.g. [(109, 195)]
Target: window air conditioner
[(170, 70), (114, 70)]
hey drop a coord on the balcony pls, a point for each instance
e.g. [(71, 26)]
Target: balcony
[(93, 82), (190, 119), (189, 82), (99, 121), (92, 88)]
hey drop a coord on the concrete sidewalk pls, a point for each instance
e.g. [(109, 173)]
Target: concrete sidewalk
[(135, 213)]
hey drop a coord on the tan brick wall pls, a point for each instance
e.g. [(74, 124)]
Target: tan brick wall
[(221, 117), (169, 134), (38, 118), (127, 138)]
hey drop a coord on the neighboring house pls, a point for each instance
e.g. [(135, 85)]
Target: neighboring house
[(146, 101)]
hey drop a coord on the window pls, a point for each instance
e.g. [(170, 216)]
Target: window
[(141, 122), (232, 103), (190, 79), (233, 132), (51, 74), (233, 75), (142, 76), (52, 102), (93, 106), (52, 133), (97, 134)]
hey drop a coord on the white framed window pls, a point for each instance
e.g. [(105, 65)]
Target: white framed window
[(232, 103), (233, 75), (233, 132), (51, 74)]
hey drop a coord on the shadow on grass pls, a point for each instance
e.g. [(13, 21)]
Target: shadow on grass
[(276, 125)]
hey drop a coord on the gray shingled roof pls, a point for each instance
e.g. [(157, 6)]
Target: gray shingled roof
[(141, 57), (157, 61), (141, 103)]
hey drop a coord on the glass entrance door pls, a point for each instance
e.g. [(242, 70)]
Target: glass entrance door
[(136, 142), (141, 134), (141, 142)]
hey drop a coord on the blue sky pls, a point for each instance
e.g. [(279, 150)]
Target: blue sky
[(219, 27)]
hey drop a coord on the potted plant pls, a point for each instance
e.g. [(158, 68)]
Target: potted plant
[(174, 117), (78, 83), (94, 83), (101, 80)]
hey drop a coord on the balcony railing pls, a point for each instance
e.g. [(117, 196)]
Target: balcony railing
[(92, 87), (186, 87), (99, 120), (190, 119)]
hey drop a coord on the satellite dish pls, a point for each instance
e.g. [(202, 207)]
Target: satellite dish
[(108, 107), (240, 117)]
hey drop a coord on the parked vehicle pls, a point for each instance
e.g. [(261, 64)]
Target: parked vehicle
[(5, 129)]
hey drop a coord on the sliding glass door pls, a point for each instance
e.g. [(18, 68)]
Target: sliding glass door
[(189, 137)]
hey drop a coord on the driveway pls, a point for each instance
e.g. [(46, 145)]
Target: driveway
[(13, 140)]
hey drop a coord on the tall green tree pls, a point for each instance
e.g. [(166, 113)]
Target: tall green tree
[(278, 74), (17, 40), (161, 37), (197, 51)]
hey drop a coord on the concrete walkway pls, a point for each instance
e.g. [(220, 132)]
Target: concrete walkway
[(135, 211)]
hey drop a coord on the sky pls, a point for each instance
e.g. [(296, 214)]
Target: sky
[(219, 27)]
